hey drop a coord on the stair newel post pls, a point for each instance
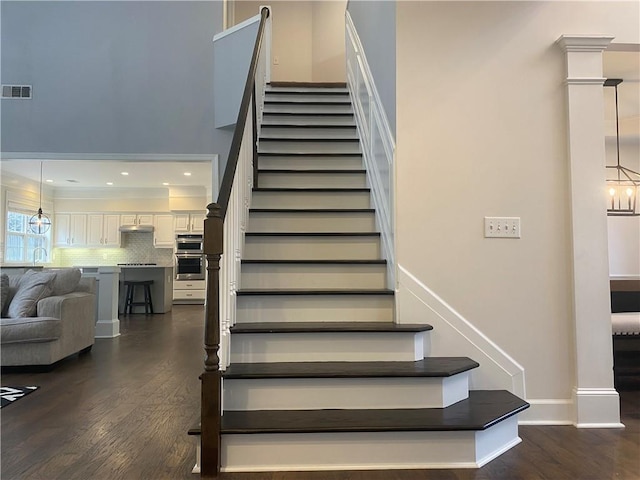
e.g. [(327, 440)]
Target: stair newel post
[(211, 408)]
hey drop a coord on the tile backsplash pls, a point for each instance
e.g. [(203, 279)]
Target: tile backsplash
[(134, 248)]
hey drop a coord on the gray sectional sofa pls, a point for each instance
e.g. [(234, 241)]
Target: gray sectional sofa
[(47, 315)]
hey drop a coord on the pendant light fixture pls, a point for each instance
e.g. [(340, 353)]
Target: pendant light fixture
[(40, 223), (623, 183)]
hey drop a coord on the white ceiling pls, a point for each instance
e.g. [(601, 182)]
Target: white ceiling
[(96, 173), (624, 65)]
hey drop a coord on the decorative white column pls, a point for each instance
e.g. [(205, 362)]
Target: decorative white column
[(108, 325), (596, 402)]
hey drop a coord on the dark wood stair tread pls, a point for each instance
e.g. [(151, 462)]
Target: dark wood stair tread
[(312, 171), (315, 262), (310, 114), (328, 327), (312, 234), (438, 367), (307, 139), (312, 210), (312, 291), (483, 409), (306, 125), (310, 190), (308, 154)]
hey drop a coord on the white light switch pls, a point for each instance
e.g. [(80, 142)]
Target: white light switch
[(502, 227)]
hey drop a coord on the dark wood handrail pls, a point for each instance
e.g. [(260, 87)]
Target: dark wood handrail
[(211, 378), (236, 143)]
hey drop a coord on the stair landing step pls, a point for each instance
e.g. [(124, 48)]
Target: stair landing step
[(327, 327), (313, 234), (427, 367), (317, 262), (312, 210), (307, 291), (483, 409), (311, 190)]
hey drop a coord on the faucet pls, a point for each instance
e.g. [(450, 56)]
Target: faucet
[(35, 250)]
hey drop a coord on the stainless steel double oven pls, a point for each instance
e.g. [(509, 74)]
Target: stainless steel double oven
[(190, 263)]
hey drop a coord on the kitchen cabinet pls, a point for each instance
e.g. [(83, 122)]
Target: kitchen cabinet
[(145, 219), (70, 229), (163, 236), (103, 230), (189, 291), (190, 222)]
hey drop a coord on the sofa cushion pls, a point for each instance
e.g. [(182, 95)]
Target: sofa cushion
[(32, 287), (4, 290), (13, 288), (32, 329), (65, 281)]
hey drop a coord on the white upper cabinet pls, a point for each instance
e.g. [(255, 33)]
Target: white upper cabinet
[(70, 229), (190, 222), (145, 219), (163, 235), (103, 230)]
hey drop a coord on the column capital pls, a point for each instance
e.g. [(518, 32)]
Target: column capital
[(584, 43)]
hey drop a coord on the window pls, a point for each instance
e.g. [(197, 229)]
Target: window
[(21, 245)]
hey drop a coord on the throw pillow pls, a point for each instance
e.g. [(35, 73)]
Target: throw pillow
[(32, 287), (13, 288), (65, 281), (4, 290)]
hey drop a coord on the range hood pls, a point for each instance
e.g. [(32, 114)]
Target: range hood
[(136, 228)]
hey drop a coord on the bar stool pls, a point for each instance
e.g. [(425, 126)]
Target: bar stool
[(129, 303)]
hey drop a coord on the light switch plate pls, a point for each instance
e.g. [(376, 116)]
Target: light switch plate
[(502, 227)]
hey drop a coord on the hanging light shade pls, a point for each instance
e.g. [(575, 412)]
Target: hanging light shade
[(39, 223), (622, 182)]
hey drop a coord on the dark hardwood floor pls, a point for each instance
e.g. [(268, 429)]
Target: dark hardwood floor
[(123, 411)]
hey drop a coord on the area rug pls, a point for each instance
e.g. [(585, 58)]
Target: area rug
[(13, 394)]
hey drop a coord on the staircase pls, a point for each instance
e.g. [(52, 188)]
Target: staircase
[(321, 376)]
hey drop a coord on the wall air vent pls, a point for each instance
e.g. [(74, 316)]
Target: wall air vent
[(16, 91)]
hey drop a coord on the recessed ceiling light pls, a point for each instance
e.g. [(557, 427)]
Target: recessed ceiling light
[(124, 173), (109, 183), (48, 180), (187, 174), (165, 183)]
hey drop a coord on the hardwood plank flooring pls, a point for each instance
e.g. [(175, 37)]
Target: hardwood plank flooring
[(123, 411)]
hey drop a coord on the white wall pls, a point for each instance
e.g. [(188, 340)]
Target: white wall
[(328, 41), (481, 132), (307, 38)]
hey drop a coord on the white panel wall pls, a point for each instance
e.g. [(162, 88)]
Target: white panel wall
[(481, 132)]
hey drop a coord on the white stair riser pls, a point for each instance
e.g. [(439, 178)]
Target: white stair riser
[(316, 132), (328, 120), (313, 308), (311, 199), (313, 276), (338, 347), (311, 248), (297, 146), (340, 393), (312, 222), (312, 180), (272, 95), (368, 450), (321, 109), (310, 163)]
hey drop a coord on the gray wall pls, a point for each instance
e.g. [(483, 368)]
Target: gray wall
[(111, 77), (231, 65), (375, 22)]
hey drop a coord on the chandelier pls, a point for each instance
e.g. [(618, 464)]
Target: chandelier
[(622, 182), (39, 223)]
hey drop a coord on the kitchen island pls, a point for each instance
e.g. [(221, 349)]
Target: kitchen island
[(161, 290)]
